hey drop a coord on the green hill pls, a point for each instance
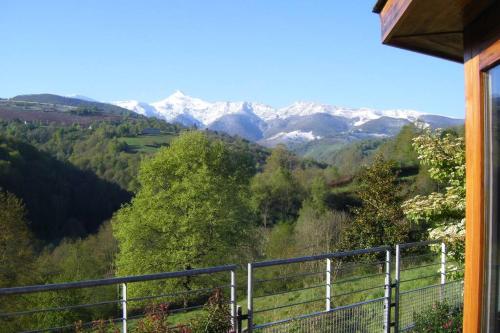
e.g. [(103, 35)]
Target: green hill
[(74, 102)]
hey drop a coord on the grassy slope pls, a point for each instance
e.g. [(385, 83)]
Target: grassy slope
[(147, 143)]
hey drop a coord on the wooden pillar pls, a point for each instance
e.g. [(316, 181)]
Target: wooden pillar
[(474, 241)]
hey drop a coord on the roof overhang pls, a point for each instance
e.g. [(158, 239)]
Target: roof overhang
[(434, 27)]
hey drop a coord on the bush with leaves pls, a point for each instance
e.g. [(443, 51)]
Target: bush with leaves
[(440, 317), (156, 321), (443, 152), (215, 316)]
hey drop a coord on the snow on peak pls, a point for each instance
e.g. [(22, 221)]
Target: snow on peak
[(179, 106), (139, 107), (295, 136)]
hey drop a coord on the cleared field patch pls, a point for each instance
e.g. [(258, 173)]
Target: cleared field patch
[(148, 143)]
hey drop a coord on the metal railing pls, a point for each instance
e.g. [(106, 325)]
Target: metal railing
[(432, 277), (123, 282), (416, 280), (367, 290), (329, 284)]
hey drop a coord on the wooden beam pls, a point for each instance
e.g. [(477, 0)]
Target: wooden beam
[(391, 15), (474, 241)]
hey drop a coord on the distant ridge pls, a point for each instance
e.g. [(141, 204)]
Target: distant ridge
[(71, 101), (299, 122), (294, 125)]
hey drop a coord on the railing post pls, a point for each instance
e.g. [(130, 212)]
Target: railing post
[(397, 279), (239, 318), (328, 284), (250, 298), (388, 293), (233, 301), (124, 307), (443, 269)]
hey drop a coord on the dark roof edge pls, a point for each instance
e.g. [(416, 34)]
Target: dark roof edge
[(379, 6)]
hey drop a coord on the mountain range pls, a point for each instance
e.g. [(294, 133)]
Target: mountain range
[(299, 123)]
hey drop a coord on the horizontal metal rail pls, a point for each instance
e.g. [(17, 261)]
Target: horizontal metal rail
[(290, 291), (425, 255), (319, 257), (421, 266), (435, 275), (187, 292), (428, 287), (419, 244), (290, 305), (359, 291), (357, 278), (56, 309), (113, 281), (291, 276)]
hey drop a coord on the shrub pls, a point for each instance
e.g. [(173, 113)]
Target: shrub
[(215, 317), (440, 317), (156, 321)]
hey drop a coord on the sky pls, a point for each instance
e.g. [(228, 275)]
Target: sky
[(269, 51)]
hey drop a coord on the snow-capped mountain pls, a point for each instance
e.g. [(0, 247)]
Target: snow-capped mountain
[(299, 122)]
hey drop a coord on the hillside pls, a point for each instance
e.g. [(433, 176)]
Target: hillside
[(61, 199), (52, 113), (74, 102)]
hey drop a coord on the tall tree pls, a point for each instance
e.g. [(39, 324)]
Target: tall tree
[(379, 220), (276, 194), (16, 241), (192, 209)]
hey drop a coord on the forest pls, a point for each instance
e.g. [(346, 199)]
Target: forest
[(108, 199)]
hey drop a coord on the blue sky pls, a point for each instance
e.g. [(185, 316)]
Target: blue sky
[(269, 51)]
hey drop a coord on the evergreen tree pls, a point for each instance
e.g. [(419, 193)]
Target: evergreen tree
[(379, 220)]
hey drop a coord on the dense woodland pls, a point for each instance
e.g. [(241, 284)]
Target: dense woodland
[(82, 202)]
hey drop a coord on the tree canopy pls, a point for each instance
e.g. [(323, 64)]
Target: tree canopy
[(192, 209)]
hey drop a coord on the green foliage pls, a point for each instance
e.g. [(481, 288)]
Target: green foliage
[(380, 219), (215, 317), (440, 317), (16, 251), (156, 320), (90, 258), (280, 241), (62, 200), (400, 148), (443, 152), (192, 210), (319, 231), (352, 157), (276, 194), (86, 111)]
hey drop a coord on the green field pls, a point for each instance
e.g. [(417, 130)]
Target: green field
[(148, 143)]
